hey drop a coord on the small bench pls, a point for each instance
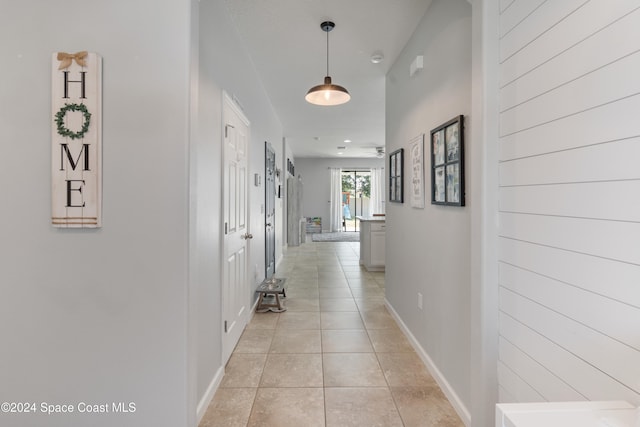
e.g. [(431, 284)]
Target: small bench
[(271, 287)]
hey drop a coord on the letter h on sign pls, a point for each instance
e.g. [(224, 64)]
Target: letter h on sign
[(82, 82)]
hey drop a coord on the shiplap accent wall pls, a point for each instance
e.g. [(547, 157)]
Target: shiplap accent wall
[(569, 217)]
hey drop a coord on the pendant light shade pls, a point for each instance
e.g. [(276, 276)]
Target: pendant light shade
[(328, 93)]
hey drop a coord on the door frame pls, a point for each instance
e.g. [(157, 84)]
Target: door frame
[(270, 203)]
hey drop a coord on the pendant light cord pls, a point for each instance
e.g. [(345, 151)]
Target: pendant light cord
[(327, 53)]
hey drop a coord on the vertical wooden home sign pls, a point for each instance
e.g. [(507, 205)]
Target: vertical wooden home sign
[(76, 140)]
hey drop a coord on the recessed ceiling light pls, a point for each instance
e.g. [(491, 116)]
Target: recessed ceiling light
[(377, 58), (347, 141)]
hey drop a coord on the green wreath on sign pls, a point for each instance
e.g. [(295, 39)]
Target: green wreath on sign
[(63, 130)]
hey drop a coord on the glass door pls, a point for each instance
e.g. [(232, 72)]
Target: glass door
[(356, 194)]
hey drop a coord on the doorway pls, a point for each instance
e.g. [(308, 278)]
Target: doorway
[(270, 209), (356, 195)]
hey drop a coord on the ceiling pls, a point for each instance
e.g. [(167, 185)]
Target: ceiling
[(288, 48)]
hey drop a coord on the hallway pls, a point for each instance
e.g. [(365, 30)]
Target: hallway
[(335, 358)]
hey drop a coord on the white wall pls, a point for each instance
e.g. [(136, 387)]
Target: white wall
[(287, 154), (569, 212), (281, 226), (224, 66), (431, 246), (317, 182), (100, 315)]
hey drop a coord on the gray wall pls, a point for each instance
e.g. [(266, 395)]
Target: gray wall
[(431, 246), (97, 315), (482, 190), (237, 76), (317, 182), (129, 312)]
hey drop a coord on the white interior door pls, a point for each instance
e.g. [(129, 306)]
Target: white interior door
[(235, 286)]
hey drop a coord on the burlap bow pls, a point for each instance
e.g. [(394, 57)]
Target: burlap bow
[(66, 58)]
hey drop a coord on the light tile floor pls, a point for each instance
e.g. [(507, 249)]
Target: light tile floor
[(335, 358)]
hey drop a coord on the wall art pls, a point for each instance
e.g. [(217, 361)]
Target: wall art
[(447, 163), (396, 171), (76, 140), (417, 171)]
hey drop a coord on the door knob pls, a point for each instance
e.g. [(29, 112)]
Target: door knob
[(268, 224), (247, 236)]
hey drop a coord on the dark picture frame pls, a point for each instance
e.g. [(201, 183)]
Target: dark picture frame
[(447, 163), (396, 173)]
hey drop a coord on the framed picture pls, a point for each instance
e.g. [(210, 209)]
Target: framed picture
[(417, 172), (447, 163), (396, 169)]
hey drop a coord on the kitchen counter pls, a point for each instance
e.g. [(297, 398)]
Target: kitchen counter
[(372, 242)]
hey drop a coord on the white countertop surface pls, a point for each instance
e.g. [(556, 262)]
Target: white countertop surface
[(568, 414), (371, 218)]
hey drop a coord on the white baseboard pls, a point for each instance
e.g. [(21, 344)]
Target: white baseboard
[(217, 379), (252, 312), (448, 391), (209, 393)]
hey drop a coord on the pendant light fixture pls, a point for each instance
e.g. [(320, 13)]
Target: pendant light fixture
[(327, 93)]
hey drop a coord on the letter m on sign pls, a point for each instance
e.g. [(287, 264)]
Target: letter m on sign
[(65, 153)]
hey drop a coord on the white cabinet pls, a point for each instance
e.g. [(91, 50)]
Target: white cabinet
[(372, 244)]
